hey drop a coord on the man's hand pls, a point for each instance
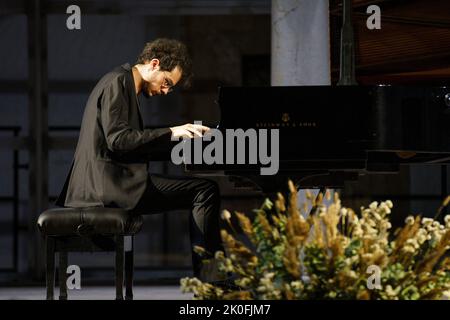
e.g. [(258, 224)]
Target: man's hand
[(189, 130)]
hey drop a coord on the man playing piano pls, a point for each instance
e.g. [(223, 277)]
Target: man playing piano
[(110, 166)]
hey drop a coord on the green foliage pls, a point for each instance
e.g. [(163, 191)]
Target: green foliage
[(327, 255)]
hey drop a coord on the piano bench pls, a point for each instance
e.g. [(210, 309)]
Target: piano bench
[(90, 229)]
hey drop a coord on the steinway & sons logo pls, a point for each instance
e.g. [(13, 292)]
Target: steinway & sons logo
[(286, 122), (253, 147)]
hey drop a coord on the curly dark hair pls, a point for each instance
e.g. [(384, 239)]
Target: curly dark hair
[(170, 53)]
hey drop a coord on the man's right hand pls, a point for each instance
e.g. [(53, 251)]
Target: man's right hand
[(189, 130)]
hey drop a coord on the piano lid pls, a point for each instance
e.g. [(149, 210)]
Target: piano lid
[(343, 118)]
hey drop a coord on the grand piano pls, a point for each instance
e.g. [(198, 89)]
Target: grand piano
[(332, 134)]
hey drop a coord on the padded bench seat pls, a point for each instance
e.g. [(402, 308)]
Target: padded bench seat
[(85, 221), (89, 229)]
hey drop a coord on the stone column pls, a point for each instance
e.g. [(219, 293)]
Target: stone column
[(300, 43)]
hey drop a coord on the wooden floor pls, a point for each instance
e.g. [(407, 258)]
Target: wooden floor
[(96, 293)]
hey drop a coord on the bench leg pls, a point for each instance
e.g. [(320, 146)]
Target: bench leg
[(63, 261), (129, 265), (50, 267), (119, 267)]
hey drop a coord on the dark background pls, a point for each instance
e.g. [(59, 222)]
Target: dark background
[(47, 72)]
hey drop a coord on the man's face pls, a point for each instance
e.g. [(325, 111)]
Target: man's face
[(157, 82)]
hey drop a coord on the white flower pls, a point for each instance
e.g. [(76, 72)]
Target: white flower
[(269, 275), (421, 239), (357, 232), (226, 215), (386, 225), (389, 204), (296, 285), (219, 255), (408, 249), (371, 223), (421, 232), (437, 236), (377, 216), (385, 207), (391, 292), (446, 294), (367, 256), (373, 205), (409, 220), (413, 242), (365, 214), (447, 221), (436, 224), (427, 221), (261, 289)]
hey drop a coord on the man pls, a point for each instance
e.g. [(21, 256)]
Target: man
[(110, 166)]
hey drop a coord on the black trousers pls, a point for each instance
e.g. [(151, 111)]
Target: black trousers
[(200, 196)]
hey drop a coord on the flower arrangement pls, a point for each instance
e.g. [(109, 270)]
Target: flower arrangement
[(330, 253)]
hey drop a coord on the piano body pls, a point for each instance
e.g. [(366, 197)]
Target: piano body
[(332, 134)]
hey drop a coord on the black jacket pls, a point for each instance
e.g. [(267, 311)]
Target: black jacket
[(110, 163)]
